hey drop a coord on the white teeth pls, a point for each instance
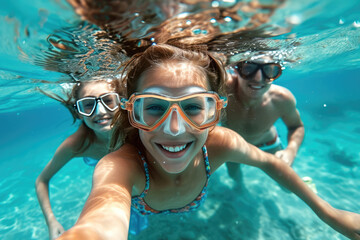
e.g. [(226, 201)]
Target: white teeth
[(256, 87), (102, 120), (174, 148)]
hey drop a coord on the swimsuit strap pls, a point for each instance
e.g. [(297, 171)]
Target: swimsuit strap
[(147, 182), (90, 161), (206, 160)]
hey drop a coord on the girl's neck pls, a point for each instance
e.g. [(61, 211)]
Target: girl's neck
[(103, 137)]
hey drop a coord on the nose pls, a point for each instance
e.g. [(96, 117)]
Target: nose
[(174, 124), (258, 77), (99, 109)]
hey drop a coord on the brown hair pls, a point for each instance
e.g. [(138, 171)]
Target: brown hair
[(135, 67), (88, 136)]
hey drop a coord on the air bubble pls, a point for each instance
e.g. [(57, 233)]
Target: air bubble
[(215, 4), (197, 31), (228, 19), (356, 24)]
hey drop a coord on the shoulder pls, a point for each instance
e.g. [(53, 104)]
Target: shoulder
[(222, 142), (122, 165), (70, 145), (126, 154), (224, 138), (281, 97), (73, 142)]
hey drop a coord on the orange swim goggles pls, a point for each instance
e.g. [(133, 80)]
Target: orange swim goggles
[(147, 111)]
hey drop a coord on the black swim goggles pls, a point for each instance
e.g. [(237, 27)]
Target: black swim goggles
[(247, 69), (87, 105)]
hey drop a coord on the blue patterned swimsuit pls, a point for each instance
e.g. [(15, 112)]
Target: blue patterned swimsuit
[(139, 205), (90, 161)]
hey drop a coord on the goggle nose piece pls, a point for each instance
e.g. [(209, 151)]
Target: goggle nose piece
[(180, 128), (99, 106)]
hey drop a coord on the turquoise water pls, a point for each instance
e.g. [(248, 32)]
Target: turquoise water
[(325, 82)]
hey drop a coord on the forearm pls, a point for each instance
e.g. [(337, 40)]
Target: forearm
[(42, 192), (103, 228), (286, 176), (106, 215), (347, 223), (295, 138)]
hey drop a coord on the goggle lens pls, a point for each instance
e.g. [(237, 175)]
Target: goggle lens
[(270, 70), (149, 111), (111, 101), (199, 110), (87, 105)]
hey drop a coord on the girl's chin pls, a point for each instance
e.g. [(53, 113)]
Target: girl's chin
[(102, 129)]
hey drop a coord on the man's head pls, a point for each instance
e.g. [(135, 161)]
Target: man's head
[(255, 76)]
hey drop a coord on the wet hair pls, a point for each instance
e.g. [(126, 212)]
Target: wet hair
[(154, 56), (88, 136)]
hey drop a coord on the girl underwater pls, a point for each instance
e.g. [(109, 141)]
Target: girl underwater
[(94, 103)]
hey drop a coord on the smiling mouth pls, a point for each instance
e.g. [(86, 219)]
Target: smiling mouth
[(256, 87), (103, 120), (174, 148)]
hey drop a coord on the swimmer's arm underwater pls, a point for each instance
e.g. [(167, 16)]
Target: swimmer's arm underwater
[(347, 223), (63, 155), (106, 213), (240, 151), (286, 105)]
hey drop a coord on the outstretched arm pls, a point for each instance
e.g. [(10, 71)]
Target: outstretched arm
[(345, 222), (106, 214), (226, 145)]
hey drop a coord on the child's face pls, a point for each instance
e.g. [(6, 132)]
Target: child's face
[(100, 120), (174, 144)]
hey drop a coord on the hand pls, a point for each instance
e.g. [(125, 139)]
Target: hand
[(55, 230), (286, 155), (347, 223)]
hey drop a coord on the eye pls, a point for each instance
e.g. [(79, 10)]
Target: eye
[(155, 109), (193, 109), (248, 68), (88, 105), (108, 101)]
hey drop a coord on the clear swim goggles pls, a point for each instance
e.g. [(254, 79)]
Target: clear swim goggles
[(87, 105), (147, 111), (247, 69)]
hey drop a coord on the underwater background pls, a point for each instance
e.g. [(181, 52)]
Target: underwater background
[(324, 77)]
